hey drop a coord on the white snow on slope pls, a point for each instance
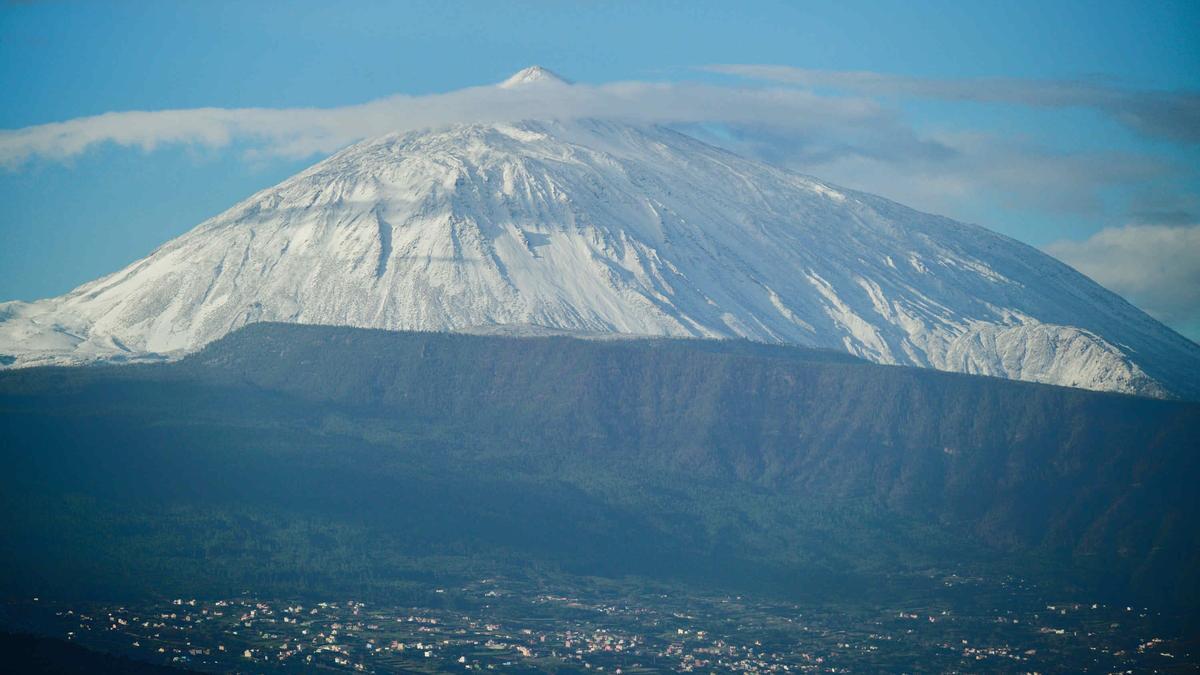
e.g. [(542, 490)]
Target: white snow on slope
[(601, 227)]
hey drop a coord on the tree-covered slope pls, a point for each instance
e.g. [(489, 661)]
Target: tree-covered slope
[(308, 458)]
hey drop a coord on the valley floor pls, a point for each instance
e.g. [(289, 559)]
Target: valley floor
[(587, 624)]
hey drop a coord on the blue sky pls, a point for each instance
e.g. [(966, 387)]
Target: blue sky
[(1069, 125)]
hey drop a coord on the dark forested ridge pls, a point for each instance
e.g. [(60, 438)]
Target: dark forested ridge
[(33, 655), (302, 458)]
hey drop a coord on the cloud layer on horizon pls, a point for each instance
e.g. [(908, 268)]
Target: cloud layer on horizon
[(1170, 115), (300, 132)]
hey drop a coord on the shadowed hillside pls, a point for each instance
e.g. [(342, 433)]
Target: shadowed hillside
[(304, 458)]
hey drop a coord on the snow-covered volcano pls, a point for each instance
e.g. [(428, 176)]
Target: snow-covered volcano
[(602, 227)]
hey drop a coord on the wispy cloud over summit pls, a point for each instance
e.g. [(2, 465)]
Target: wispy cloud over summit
[(839, 125), (300, 132), (1172, 115)]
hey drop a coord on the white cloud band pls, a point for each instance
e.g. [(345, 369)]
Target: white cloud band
[(1173, 115), (1156, 267), (301, 132)]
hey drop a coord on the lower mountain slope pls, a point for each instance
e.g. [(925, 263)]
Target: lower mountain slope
[(306, 458)]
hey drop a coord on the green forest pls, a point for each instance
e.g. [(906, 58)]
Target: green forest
[(315, 460)]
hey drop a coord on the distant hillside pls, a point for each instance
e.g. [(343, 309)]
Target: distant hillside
[(315, 458)]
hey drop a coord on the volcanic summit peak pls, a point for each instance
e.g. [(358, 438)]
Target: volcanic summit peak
[(532, 75)]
